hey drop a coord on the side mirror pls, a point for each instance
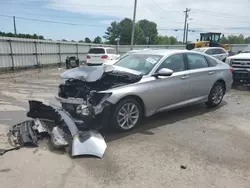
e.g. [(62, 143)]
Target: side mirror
[(164, 72)]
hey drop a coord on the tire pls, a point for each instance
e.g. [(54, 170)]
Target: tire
[(216, 95), (136, 110)]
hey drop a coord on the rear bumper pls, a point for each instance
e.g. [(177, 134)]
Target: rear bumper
[(241, 76), (95, 62)]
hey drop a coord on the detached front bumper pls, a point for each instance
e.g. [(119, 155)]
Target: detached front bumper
[(61, 128), (241, 76)]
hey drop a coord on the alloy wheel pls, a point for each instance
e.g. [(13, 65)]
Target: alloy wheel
[(217, 94), (128, 116)]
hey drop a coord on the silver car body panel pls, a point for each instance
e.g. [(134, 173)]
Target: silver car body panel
[(93, 73), (88, 143), (194, 89), (180, 89), (84, 143)]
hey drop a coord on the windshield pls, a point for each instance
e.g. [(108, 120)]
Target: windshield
[(143, 63), (246, 50)]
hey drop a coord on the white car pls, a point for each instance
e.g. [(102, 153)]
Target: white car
[(217, 52), (100, 55)]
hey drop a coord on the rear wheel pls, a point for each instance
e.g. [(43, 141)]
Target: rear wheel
[(127, 115), (216, 95)]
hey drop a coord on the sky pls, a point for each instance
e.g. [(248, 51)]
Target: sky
[(77, 19)]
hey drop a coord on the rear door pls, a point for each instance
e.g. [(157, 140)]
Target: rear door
[(202, 75), (96, 55)]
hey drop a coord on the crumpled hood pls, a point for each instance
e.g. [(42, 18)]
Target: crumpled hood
[(93, 73), (241, 56)]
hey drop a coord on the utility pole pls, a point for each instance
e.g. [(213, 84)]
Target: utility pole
[(14, 22), (185, 25), (187, 34), (133, 26)]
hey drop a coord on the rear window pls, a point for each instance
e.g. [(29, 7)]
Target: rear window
[(110, 51), (96, 51), (212, 63)]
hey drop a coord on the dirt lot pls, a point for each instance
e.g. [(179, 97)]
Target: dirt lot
[(213, 145)]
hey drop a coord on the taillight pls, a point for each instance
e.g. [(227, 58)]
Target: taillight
[(105, 57), (88, 57), (231, 69)]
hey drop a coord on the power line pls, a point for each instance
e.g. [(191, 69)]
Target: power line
[(161, 8), (50, 21), (220, 14), (95, 7)]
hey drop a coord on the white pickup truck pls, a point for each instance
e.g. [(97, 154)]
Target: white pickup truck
[(241, 66)]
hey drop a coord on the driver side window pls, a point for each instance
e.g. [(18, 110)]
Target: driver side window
[(175, 62)]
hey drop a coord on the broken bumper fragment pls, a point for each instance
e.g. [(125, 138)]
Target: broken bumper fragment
[(61, 128)]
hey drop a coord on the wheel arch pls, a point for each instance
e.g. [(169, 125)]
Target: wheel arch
[(137, 98), (223, 83)]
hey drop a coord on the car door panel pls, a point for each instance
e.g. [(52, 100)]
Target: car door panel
[(201, 81), (201, 75), (171, 89)]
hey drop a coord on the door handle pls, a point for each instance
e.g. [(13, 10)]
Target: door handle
[(184, 77), (211, 72)]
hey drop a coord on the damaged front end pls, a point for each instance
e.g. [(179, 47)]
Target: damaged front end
[(84, 109), (85, 91), (60, 127)]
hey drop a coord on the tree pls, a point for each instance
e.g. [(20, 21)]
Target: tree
[(149, 31), (123, 30), (172, 40), (73, 41), (247, 40), (80, 41), (113, 32), (87, 40), (97, 40), (162, 40)]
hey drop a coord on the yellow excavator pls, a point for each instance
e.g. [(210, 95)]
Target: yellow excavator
[(209, 39)]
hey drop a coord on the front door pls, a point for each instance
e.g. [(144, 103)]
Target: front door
[(171, 89)]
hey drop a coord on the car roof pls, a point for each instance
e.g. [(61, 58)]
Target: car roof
[(206, 48), (102, 47), (162, 52)]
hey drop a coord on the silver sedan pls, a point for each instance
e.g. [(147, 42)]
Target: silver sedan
[(152, 81)]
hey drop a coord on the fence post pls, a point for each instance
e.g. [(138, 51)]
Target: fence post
[(60, 55), (77, 50), (11, 54), (36, 51)]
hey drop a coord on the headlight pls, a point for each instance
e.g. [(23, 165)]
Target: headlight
[(84, 110), (97, 98)]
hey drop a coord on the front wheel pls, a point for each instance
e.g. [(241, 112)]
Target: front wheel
[(127, 115), (216, 95)]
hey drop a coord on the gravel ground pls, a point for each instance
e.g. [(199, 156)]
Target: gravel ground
[(189, 147)]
